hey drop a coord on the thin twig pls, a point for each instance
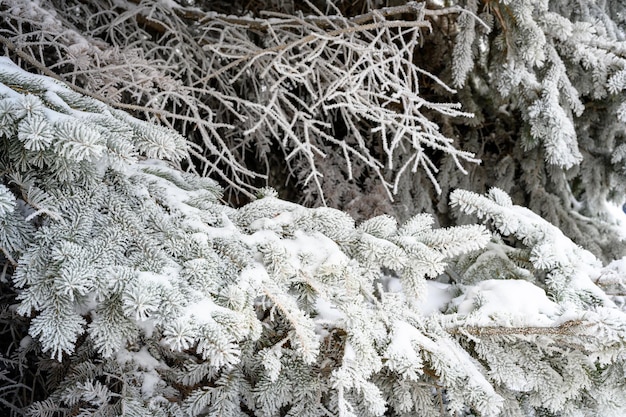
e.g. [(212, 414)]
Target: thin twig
[(49, 73), (312, 37)]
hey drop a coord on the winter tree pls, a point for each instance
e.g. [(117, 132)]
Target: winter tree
[(319, 208)]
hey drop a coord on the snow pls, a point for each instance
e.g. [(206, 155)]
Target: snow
[(261, 237), (150, 381), (617, 267), (406, 338), (170, 4), (319, 248), (393, 284), (253, 276), (349, 354), (145, 362), (438, 295), (26, 342), (583, 278), (405, 335), (147, 326), (162, 280), (142, 358), (328, 312), (401, 342), (51, 88), (514, 303), (493, 302), (618, 217), (201, 310), (226, 231), (612, 278)]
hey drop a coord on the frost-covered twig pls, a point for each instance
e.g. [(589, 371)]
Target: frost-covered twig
[(242, 88)]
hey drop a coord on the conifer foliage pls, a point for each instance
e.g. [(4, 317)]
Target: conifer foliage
[(129, 289), (369, 106), (452, 246)]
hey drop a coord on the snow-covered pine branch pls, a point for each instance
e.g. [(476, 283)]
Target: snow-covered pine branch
[(132, 290), (350, 104)]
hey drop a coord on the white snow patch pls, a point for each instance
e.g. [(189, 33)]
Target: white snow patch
[(150, 381), (508, 303), (260, 237), (253, 276), (201, 310), (328, 312), (401, 341), (162, 280), (142, 358), (393, 284), (405, 335), (438, 295), (349, 355), (147, 326), (618, 217)]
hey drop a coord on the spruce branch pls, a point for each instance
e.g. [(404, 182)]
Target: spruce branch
[(146, 286), (568, 328), (8, 256), (494, 7), (49, 73)]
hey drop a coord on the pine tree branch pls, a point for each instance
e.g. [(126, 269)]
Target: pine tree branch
[(494, 6), (9, 258), (46, 71), (566, 328)]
